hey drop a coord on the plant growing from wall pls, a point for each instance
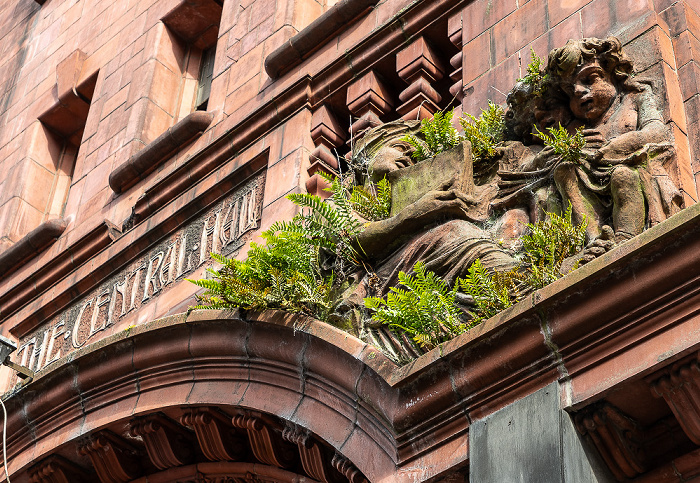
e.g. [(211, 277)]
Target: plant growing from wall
[(535, 74), (568, 147), (286, 272), (423, 307), (484, 132), (372, 201), (545, 247), (439, 133), (547, 244)]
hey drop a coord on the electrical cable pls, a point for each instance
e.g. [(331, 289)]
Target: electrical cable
[(4, 439)]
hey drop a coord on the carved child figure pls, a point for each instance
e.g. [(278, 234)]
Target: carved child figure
[(626, 141)]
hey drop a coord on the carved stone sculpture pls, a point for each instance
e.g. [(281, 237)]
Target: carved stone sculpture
[(619, 185)]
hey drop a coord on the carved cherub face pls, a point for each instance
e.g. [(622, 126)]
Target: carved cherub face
[(592, 92), (551, 112)]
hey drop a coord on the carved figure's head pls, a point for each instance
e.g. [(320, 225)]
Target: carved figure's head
[(592, 72), (520, 113), (384, 148), (553, 110)]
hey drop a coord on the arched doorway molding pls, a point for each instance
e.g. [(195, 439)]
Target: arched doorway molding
[(302, 371)]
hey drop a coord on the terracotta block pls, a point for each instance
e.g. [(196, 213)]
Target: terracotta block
[(147, 121), (23, 219), (116, 101), (286, 175), (649, 48), (601, 18), (686, 47), (518, 29), (674, 110), (555, 37), (476, 55), (686, 179), (41, 145), (561, 9), (680, 17), (493, 85), (689, 77), (482, 14), (241, 96), (248, 66)]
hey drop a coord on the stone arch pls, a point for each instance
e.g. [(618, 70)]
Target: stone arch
[(275, 383)]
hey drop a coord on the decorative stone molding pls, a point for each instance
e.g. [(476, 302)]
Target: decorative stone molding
[(31, 245), (138, 166), (112, 457), (327, 134), (347, 469), (167, 444), (314, 462), (680, 388), (49, 273), (368, 99), (266, 447), (214, 434), (454, 27), (56, 469), (419, 65), (617, 438), (296, 49)]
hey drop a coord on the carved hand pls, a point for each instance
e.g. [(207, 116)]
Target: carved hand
[(440, 204)]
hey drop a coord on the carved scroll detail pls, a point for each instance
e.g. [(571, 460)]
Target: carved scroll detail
[(347, 469), (166, 443), (112, 458), (214, 433), (314, 462), (617, 438), (681, 391), (266, 448), (56, 469), (454, 27)]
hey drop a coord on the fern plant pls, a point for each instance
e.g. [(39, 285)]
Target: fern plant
[(568, 147), (492, 292), (423, 307), (535, 75), (546, 246), (484, 132), (439, 133), (372, 201)]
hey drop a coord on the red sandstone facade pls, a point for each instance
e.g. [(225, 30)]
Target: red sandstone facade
[(137, 136)]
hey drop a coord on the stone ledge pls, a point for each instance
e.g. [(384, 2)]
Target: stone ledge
[(31, 244), (138, 166), (46, 275), (301, 45)]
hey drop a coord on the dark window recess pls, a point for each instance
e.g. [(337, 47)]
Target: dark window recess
[(205, 76)]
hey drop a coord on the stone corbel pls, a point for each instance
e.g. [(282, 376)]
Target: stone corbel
[(113, 458), (56, 469), (680, 388), (368, 99), (166, 443), (327, 134), (314, 462), (67, 116), (214, 433), (454, 32), (420, 67), (616, 437), (347, 469), (266, 447)]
